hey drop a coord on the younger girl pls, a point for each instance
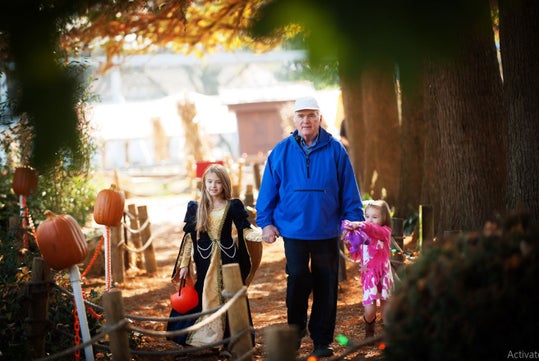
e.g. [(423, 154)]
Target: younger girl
[(374, 257)]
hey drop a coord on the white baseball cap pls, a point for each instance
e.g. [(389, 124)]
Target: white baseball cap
[(304, 103)]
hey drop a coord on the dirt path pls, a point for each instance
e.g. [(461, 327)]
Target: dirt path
[(148, 295)]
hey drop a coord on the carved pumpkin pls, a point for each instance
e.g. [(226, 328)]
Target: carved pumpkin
[(109, 207), (24, 181), (61, 241), (185, 299)]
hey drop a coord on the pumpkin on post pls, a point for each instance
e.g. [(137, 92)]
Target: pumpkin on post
[(24, 181), (24, 184), (61, 241), (109, 207)]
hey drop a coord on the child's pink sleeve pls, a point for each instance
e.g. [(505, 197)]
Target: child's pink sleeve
[(375, 231)]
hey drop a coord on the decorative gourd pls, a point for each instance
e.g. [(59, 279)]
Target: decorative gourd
[(185, 299), (61, 241), (24, 181), (109, 207)]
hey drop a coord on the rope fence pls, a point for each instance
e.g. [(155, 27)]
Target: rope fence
[(123, 325), (119, 325)]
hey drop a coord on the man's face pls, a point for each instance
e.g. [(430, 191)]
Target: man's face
[(307, 123)]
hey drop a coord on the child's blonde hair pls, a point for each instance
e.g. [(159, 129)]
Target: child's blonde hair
[(384, 210), (206, 202)]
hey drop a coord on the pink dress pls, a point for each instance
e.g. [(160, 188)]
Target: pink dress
[(376, 278)]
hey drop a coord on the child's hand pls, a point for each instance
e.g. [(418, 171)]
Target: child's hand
[(357, 224)]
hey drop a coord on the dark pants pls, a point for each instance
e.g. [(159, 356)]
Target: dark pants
[(312, 266)]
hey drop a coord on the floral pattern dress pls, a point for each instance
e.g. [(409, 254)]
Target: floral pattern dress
[(376, 277)]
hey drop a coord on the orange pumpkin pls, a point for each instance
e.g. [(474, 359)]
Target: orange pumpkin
[(61, 241), (109, 207), (24, 181)]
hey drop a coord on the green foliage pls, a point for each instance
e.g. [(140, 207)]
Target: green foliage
[(14, 274), (63, 187), (61, 306), (369, 32), (323, 75), (471, 299)]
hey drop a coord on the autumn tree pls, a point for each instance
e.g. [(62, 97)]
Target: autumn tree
[(519, 42), (38, 37)]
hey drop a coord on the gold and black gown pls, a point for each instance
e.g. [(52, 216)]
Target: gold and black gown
[(205, 253)]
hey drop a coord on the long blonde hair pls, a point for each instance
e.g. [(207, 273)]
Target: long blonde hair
[(206, 202), (384, 210)]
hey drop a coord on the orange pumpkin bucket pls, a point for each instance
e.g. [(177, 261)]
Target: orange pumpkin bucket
[(185, 299)]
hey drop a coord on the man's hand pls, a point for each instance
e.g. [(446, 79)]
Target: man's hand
[(270, 233)]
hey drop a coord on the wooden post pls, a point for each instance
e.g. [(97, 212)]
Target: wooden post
[(114, 313), (280, 342), (117, 254), (145, 234), (249, 199), (257, 176), (38, 310), (397, 232), (238, 314), (426, 226), (240, 163), (136, 257), (235, 190)]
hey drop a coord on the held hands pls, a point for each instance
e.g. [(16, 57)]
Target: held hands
[(270, 233), (354, 237), (351, 225)]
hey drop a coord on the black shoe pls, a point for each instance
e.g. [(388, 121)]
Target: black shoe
[(322, 351)]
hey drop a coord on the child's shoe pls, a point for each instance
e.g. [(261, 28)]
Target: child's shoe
[(369, 327)]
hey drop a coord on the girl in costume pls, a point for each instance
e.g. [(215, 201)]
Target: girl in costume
[(208, 243)]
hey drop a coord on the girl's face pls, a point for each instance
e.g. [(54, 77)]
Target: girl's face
[(373, 215), (214, 186)]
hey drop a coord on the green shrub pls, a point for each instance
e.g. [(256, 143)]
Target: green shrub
[(471, 299)]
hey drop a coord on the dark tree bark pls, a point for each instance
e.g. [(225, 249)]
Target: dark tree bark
[(382, 132), (355, 127), (373, 129), (412, 146), (519, 44), (465, 102)]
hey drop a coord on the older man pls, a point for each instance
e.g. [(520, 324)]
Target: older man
[(308, 188)]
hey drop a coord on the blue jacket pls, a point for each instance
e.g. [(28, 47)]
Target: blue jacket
[(307, 197)]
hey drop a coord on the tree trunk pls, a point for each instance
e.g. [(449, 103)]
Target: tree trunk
[(430, 185), (355, 127), (372, 126), (466, 106), (380, 114), (519, 43), (412, 147)]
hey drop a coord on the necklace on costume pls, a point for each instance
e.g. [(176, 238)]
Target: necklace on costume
[(229, 251)]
